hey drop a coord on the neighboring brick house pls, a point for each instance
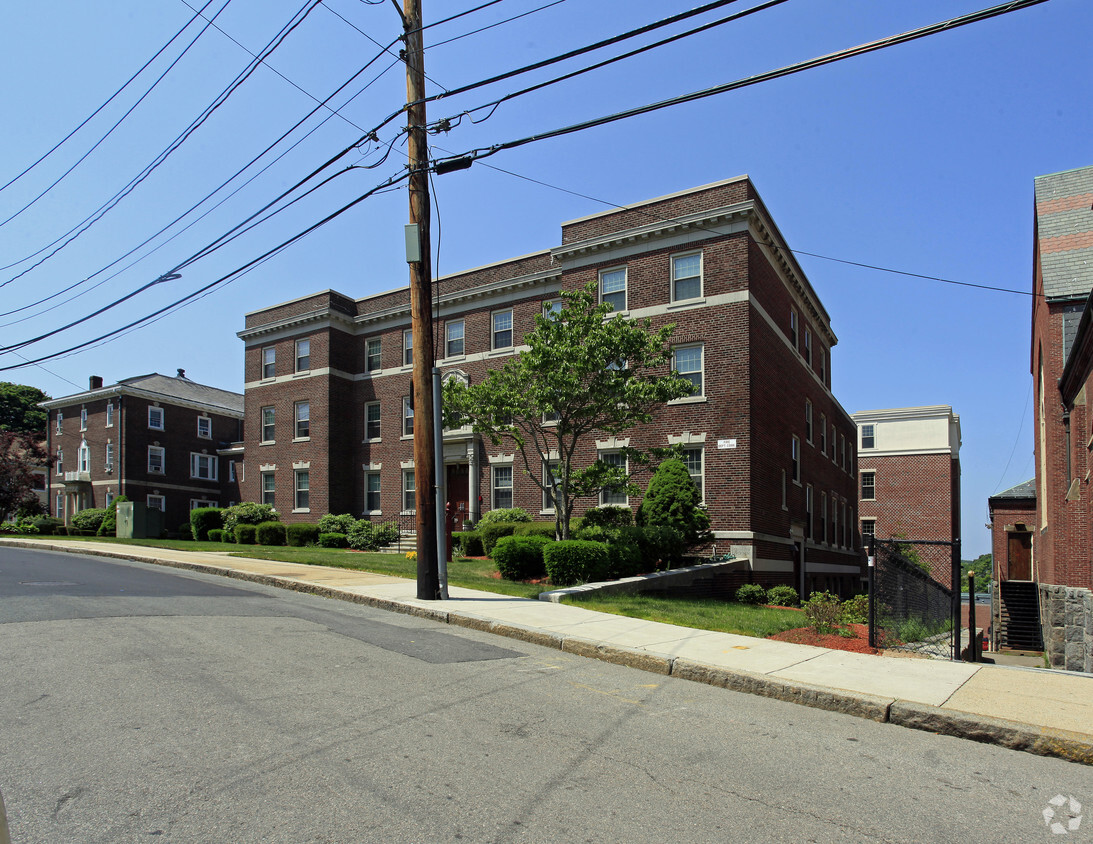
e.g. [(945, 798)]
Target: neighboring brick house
[(909, 468), (328, 419), (153, 438)]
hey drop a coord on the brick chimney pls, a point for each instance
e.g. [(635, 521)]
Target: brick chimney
[(95, 382)]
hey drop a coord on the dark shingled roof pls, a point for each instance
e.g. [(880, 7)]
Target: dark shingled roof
[(186, 390), (1067, 269), (1025, 490)]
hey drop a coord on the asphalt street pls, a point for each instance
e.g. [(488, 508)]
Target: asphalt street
[(143, 703)]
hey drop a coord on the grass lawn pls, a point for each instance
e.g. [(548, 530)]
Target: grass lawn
[(719, 616)]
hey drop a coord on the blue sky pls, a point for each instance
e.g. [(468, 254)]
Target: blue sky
[(919, 157)]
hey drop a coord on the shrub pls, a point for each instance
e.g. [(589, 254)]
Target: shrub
[(610, 515), (109, 526), (520, 557), (492, 531), (218, 535), (855, 610), (245, 534), (301, 534), (89, 519), (204, 519), (185, 532), (248, 513), (270, 533), (365, 536), (505, 514), (665, 544), (575, 561), (47, 525), (23, 526), (336, 524), (534, 529), (468, 542), (751, 593), (672, 500), (333, 540), (783, 596), (822, 612)]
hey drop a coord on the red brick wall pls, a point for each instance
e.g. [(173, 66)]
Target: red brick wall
[(913, 495)]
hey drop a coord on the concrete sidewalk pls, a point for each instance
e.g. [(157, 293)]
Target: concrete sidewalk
[(1045, 712)]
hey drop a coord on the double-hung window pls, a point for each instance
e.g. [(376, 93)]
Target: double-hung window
[(808, 420), (502, 329), (372, 421), (156, 459), (83, 457), (795, 456), (373, 359), (83, 418), (823, 515), (615, 493), (372, 492), (303, 490), (110, 414), (203, 466), (269, 488), (687, 362), (409, 490), (60, 422), (407, 416), (268, 428), (205, 427), (823, 434), (269, 362), (808, 346), (869, 486), (551, 469), (502, 487), (552, 308), (454, 330), (868, 436), (613, 288), (793, 328), (156, 502), (692, 459), (60, 462), (407, 347), (808, 512), (686, 277), (303, 420), (303, 355), (155, 418), (109, 457)]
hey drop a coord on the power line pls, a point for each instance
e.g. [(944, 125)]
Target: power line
[(108, 100), (492, 26)]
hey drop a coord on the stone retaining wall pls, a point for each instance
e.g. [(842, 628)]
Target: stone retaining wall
[(1066, 615)]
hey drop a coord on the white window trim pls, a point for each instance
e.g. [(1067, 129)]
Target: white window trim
[(702, 473), (296, 420), (108, 462), (548, 508), (262, 424), (407, 335), (407, 404), (110, 414), (408, 473), (625, 289), (196, 459), (810, 428), (263, 363), (60, 422), (448, 324), (795, 459), (700, 396), (262, 488), (794, 329), (162, 460), (149, 501), (370, 512), (296, 508), (152, 410), (626, 495), (209, 421), (511, 487), (379, 356), (511, 330), (299, 368), (378, 438), (83, 419), (672, 278), (872, 472)]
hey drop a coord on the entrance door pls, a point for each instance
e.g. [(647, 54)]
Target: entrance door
[(458, 503), (1020, 556)]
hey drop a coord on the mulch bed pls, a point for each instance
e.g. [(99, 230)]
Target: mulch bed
[(808, 636)]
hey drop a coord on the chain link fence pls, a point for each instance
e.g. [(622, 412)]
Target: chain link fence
[(912, 604)]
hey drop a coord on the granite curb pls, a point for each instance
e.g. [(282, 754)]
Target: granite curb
[(1014, 735)]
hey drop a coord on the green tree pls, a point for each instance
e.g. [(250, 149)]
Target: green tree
[(19, 411), (983, 566), (588, 375), (673, 501), (20, 454)]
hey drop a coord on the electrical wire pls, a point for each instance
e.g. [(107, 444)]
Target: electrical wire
[(492, 26), (107, 102), (221, 98)]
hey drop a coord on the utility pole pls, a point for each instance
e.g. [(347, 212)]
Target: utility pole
[(421, 313)]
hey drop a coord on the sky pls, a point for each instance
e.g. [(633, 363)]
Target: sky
[(918, 158)]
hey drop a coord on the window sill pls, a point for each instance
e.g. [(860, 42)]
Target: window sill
[(454, 358), (302, 510), (496, 353), (268, 442), (301, 439), (150, 428), (406, 437), (368, 373), (687, 303), (689, 400), (406, 367), (267, 379), (367, 441), (372, 513), (301, 373)]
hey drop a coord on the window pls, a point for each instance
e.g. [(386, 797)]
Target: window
[(808, 347), (372, 421), (551, 417), (823, 363), (502, 487), (269, 362), (808, 512), (372, 492), (845, 538), (687, 362), (59, 505), (269, 487), (203, 466), (795, 456), (868, 529), (60, 462), (407, 347), (784, 505), (110, 414), (834, 451), (205, 427), (156, 502), (407, 416), (850, 528), (868, 436), (613, 288), (823, 514), (823, 435), (231, 471), (155, 418), (409, 496), (502, 329), (267, 424), (83, 418), (550, 469), (454, 339), (692, 459), (109, 497), (793, 327), (303, 493), (808, 420), (686, 277), (203, 502), (615, 494), (156, 457), (83, 458), (552, 308), (109, 457), (60, 421), (869, 486), (842, 444), (303, 420), (303, 355), (372, 358), (834, 517)]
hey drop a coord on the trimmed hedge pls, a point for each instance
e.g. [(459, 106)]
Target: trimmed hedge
[(336, 524), (751, 593), (520, 557), (365, 536), (185, 532), (89, 519), (245, 534), (270, 533), (301, 534), (218, 535), (469, 543), (504, 514), (204, 519), (534, 529), (47, 525), (575, 561), (610, 515), (490, 532), (333, 540), (783, 596), (248, 513)]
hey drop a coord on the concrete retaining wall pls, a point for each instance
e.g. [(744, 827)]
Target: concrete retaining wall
[(1066, 614), (695, 581)]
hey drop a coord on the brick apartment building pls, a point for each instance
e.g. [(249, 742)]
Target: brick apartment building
[(153, 438), (909, 467), (329, 422)]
